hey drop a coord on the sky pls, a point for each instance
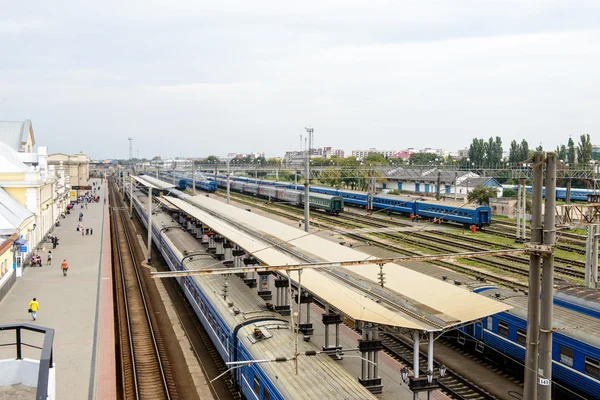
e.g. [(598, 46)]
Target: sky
[(195, 78)]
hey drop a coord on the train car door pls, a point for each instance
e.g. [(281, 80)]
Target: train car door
[(484, 217)]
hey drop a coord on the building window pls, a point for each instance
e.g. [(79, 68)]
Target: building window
[(521, 336), (502, 328), (592, 367), (566, 356), (256, 385)]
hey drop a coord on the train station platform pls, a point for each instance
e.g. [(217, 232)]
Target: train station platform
[(77, 306)]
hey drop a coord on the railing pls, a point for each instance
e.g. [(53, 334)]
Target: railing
[(46, 358)]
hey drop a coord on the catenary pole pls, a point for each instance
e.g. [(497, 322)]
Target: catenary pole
[(228, 161), (149, 224), (545, 367), (533, 311), (307, 181)]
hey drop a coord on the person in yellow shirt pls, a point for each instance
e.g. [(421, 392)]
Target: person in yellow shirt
[(34, 306)]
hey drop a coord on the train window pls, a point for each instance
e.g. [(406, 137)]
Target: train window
[(502, 328), (521, 336), (256, 385), (267, 395), (566, 356), (490, 323), (592, 367)]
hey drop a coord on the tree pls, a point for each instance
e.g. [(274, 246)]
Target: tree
[(584, 149), (571, 151), (477, 151), (481, 194), (539, 148), (422, 158), (375, 158), (211, 160), (509, 193), (561, 152), (493, 151), (524, 151), (513, 153)]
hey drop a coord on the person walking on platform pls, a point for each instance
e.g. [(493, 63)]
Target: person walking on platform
[(34, 306), (65, 267), (50, 257), (91, 231)]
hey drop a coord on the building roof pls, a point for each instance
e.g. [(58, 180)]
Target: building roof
[(9, 161), (472, 182), (419, 301), (431, 175), (12, 214), (15, 133)]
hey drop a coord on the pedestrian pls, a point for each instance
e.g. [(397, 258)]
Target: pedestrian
[(105, 201), (82, 231), (299, 224), (34, 306), (50, 255), (91, 231), (65, 267), (54, 240), (87, 231)]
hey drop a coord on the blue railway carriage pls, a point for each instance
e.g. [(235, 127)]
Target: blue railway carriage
[(454, 211), (242, 330), (575, 349)]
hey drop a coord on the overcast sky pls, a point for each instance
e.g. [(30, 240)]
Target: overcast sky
[(194, 78)]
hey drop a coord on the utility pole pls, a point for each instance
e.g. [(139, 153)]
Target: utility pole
[(533, 311), (228, 161), (194, 177), (524, 210), (439, 179), (545, 387), (307, 180), (518, 235), (130, 148)]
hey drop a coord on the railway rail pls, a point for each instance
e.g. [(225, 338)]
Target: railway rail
[(453, 384), (145, 372)]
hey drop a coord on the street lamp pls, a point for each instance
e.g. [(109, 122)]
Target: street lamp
[(429, 376), (442, 370), (404, 374)]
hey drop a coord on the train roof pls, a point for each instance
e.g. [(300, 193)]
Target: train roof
[(567, 322), (319, 376), (429, 200), (419, 301)]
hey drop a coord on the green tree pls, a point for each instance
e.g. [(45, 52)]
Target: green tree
[(513, 152), (584, 149), (523, 151), (509, 193), (539, 148), (375, 158), (561, 152), (477, 151), (210, 160), (493, 151), (481, 194), (571, 151), (421, 158)]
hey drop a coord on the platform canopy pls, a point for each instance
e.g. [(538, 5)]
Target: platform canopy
[(418, 301), (153, 183)]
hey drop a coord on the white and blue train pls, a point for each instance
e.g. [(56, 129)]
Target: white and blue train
[(423, 207), (243, 329), (501, 338)]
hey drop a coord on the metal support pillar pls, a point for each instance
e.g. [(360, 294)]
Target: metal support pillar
[(523, 211), (533, 312), (332, 318), (305, 298), (307, 181), (281, 288), (228, 161), (545, 366), (130, 197), (595, 256), (149, 225), (430, 360), (568, 194), (589, 240), (193, 178), (518, 235), (415, 359)]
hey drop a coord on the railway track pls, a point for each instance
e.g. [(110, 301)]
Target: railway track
[(145, 373), (453, 384), (342, 221)]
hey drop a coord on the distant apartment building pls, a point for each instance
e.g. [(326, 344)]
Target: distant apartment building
[(338, 153), (361, 154), (296, 158), (464, 153)]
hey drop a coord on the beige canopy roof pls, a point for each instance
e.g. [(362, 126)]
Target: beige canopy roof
[(153, 182), (425, 302)]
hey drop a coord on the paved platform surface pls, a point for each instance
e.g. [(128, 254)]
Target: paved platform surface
[(67, 304)]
